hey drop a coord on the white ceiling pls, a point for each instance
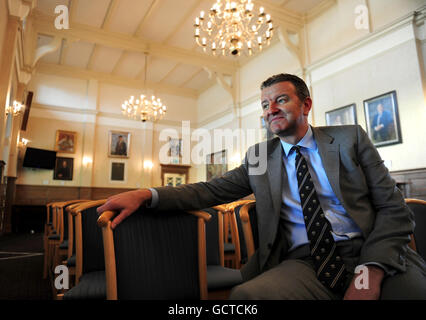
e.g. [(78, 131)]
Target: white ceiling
[(167, 24)]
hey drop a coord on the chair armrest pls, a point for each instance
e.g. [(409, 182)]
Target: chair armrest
[(247, 229), (106, 217)]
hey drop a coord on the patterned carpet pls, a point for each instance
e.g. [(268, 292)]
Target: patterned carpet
[(21, 268)]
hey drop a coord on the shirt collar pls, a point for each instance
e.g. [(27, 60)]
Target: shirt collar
[(307, 141)]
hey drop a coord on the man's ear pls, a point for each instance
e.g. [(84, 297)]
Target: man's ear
[(307, 105)]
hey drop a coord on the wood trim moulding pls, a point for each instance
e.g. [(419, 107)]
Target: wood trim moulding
[(319, 9), (85, 74), (41, 195)]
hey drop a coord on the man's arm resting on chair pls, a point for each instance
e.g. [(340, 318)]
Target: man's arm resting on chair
[(126, 203)]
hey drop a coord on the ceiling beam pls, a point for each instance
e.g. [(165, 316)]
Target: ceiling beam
[(196, 73), (280, 15), (79, 73), (182, 21), (108, 16), (44, 25), (149, 12)]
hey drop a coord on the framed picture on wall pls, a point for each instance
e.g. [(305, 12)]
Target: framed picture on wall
[(341, 116), (174, 179), (119, 144), (175, 150), (65, 141), (63, 169), (118, 172), (382, 119), (216, 164)]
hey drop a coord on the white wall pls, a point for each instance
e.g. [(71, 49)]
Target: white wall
[(92, 110)]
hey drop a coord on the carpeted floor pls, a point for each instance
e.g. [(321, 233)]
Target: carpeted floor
[(21, 268)]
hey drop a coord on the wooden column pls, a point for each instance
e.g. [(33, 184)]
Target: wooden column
[(6, 74)]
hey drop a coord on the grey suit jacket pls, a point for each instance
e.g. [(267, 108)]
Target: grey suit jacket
[(356, 173)]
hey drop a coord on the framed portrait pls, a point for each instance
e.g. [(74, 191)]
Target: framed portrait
[(341, 116), (118, 171), (63, 169), (266, 134), (119, 144), (382, 119), (216, 164), (174, 179), (65, 141), (175, 150)]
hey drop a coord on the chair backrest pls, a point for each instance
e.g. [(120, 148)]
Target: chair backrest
[(88, 239), (214, 238), (63, 217), (48, 213), (153, 255), (243, 246), (418, 207), (235, 232), (71, 228), (247, 217)]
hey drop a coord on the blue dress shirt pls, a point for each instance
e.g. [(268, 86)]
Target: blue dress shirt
[(343, 226)]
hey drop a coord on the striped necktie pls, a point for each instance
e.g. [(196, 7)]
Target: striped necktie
[(329, 265)]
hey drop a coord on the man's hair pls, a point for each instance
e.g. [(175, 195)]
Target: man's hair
[(302, 90)]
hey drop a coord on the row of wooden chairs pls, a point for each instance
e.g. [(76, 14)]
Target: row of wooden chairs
[(246, 218), (73, 239)]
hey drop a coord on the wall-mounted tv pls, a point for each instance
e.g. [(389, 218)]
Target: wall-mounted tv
[(39, 158)]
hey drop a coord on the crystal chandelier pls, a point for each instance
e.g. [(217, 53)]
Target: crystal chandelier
[(232, 27), (15, 109), (144, 108)]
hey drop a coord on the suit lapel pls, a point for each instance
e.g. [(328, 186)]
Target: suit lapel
[(329, 152), (275, 174)]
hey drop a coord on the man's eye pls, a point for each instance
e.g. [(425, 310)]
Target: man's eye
[(281, 100), (265, 106)]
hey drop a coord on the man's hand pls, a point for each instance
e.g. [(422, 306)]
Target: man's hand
[(126, 203), (375, 278)]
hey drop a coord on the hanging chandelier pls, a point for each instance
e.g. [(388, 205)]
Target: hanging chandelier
[(144, 108), (232, 27)]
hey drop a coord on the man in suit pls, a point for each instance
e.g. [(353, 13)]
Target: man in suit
[(325, 204), (121, 147), (381, 122)]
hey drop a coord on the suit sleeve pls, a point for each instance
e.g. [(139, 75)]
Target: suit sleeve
[(387, 243), (233, 185)]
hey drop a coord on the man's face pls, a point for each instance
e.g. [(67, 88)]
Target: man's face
[(282, 109), (380, 108)]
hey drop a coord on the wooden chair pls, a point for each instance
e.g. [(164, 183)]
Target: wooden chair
[(220, 279), (232, 248), (153, 255), (52, 236), (60, 250), (418, 238), (70, 260), (246, 215), (48, 230), (90, 264)]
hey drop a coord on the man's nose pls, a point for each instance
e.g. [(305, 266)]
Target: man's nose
[(272, 109)]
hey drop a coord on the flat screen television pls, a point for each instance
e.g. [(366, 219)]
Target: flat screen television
[(39, 158)]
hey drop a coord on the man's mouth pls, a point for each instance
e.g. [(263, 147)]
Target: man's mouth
[(275, 118)]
